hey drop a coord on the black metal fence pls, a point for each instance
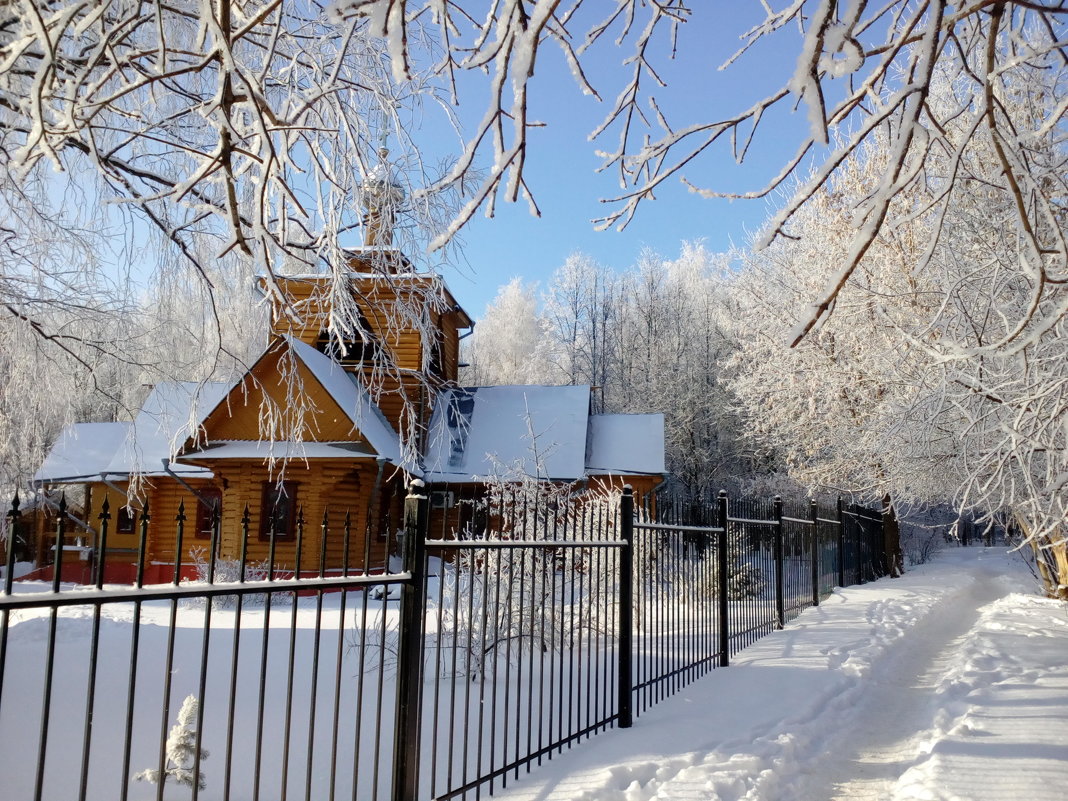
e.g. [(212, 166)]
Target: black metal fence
[(96, 680), (479, 654)]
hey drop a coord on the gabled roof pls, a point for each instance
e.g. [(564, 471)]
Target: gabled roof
[(343, 388), (82, 450), (623, 444), (347, 391), (508, 431), (169, 416), (475, 433), (261, 449)]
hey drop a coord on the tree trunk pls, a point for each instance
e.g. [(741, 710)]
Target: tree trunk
[(895, 564), (1051, 559)]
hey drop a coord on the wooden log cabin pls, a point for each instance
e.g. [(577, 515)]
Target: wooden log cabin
[(355, 395)]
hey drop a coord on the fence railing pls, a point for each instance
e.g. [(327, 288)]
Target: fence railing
[(444, 673), (95, 680)]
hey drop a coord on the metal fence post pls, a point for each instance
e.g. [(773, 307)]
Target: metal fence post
[(626, 609), (858, 533), (102, 544), (721, 588), (841, 544), (780, 589), (410, 646), (13, 522), (814, 513)]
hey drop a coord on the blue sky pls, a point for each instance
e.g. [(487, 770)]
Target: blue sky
[(562, 163)]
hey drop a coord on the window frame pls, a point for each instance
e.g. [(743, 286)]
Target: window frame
[(125, 520), (203, 517), (270, 493)]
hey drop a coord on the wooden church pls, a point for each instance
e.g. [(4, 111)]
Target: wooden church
[(318, 441)]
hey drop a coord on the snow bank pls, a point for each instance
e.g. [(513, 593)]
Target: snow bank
[(805, 712), (1000, 732)]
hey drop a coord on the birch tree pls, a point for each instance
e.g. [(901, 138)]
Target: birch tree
[(582, 309), (673, 343), (196, 143), (860, 66), (510, 344), (941, 372)]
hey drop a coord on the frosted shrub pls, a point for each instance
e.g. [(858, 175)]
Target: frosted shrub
[(181, 759), (496, 605), (921, 543), (228, 571), (693, 575)]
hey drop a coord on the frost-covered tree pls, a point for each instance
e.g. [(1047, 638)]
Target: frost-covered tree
[(194, 143), (182, 755), (89, 356), (859, 67), (256, 123), (672, 348), (582, 309), (510, 343), (941, 371)]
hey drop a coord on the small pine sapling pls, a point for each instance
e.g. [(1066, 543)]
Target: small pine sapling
[(181, 751)]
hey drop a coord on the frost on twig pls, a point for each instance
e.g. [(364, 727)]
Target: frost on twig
[(860, 67), (190, 144)]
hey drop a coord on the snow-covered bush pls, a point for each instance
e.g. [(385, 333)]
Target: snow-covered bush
[(691, 570), (921, 543), (228, 571), (496, 604), (182, 758), (744, 579)]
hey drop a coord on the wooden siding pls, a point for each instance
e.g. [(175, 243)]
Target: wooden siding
[(165, 497), (644, 486), (450, 348), (389, 305), (382, 301), (238, 416), (123, 545), (338, 487)]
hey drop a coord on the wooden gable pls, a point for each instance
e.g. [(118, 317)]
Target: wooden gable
[(268, 391), (380, 298)]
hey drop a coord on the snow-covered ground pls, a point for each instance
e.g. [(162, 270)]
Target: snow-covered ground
[(945, 684), (949, 683)]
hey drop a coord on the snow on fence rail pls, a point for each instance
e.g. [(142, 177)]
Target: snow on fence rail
[(557, 618)]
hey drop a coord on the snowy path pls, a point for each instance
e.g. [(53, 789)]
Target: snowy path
[(887, 731), (945, 685)]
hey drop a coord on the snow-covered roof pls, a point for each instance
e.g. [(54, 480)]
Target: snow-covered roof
[(621, 444), (475, 433), (507, 431), (348, 393), (260, 449), (82, 450), (170, 415), (408, 274)]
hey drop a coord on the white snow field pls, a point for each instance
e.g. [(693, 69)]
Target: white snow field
[(947, 684)]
